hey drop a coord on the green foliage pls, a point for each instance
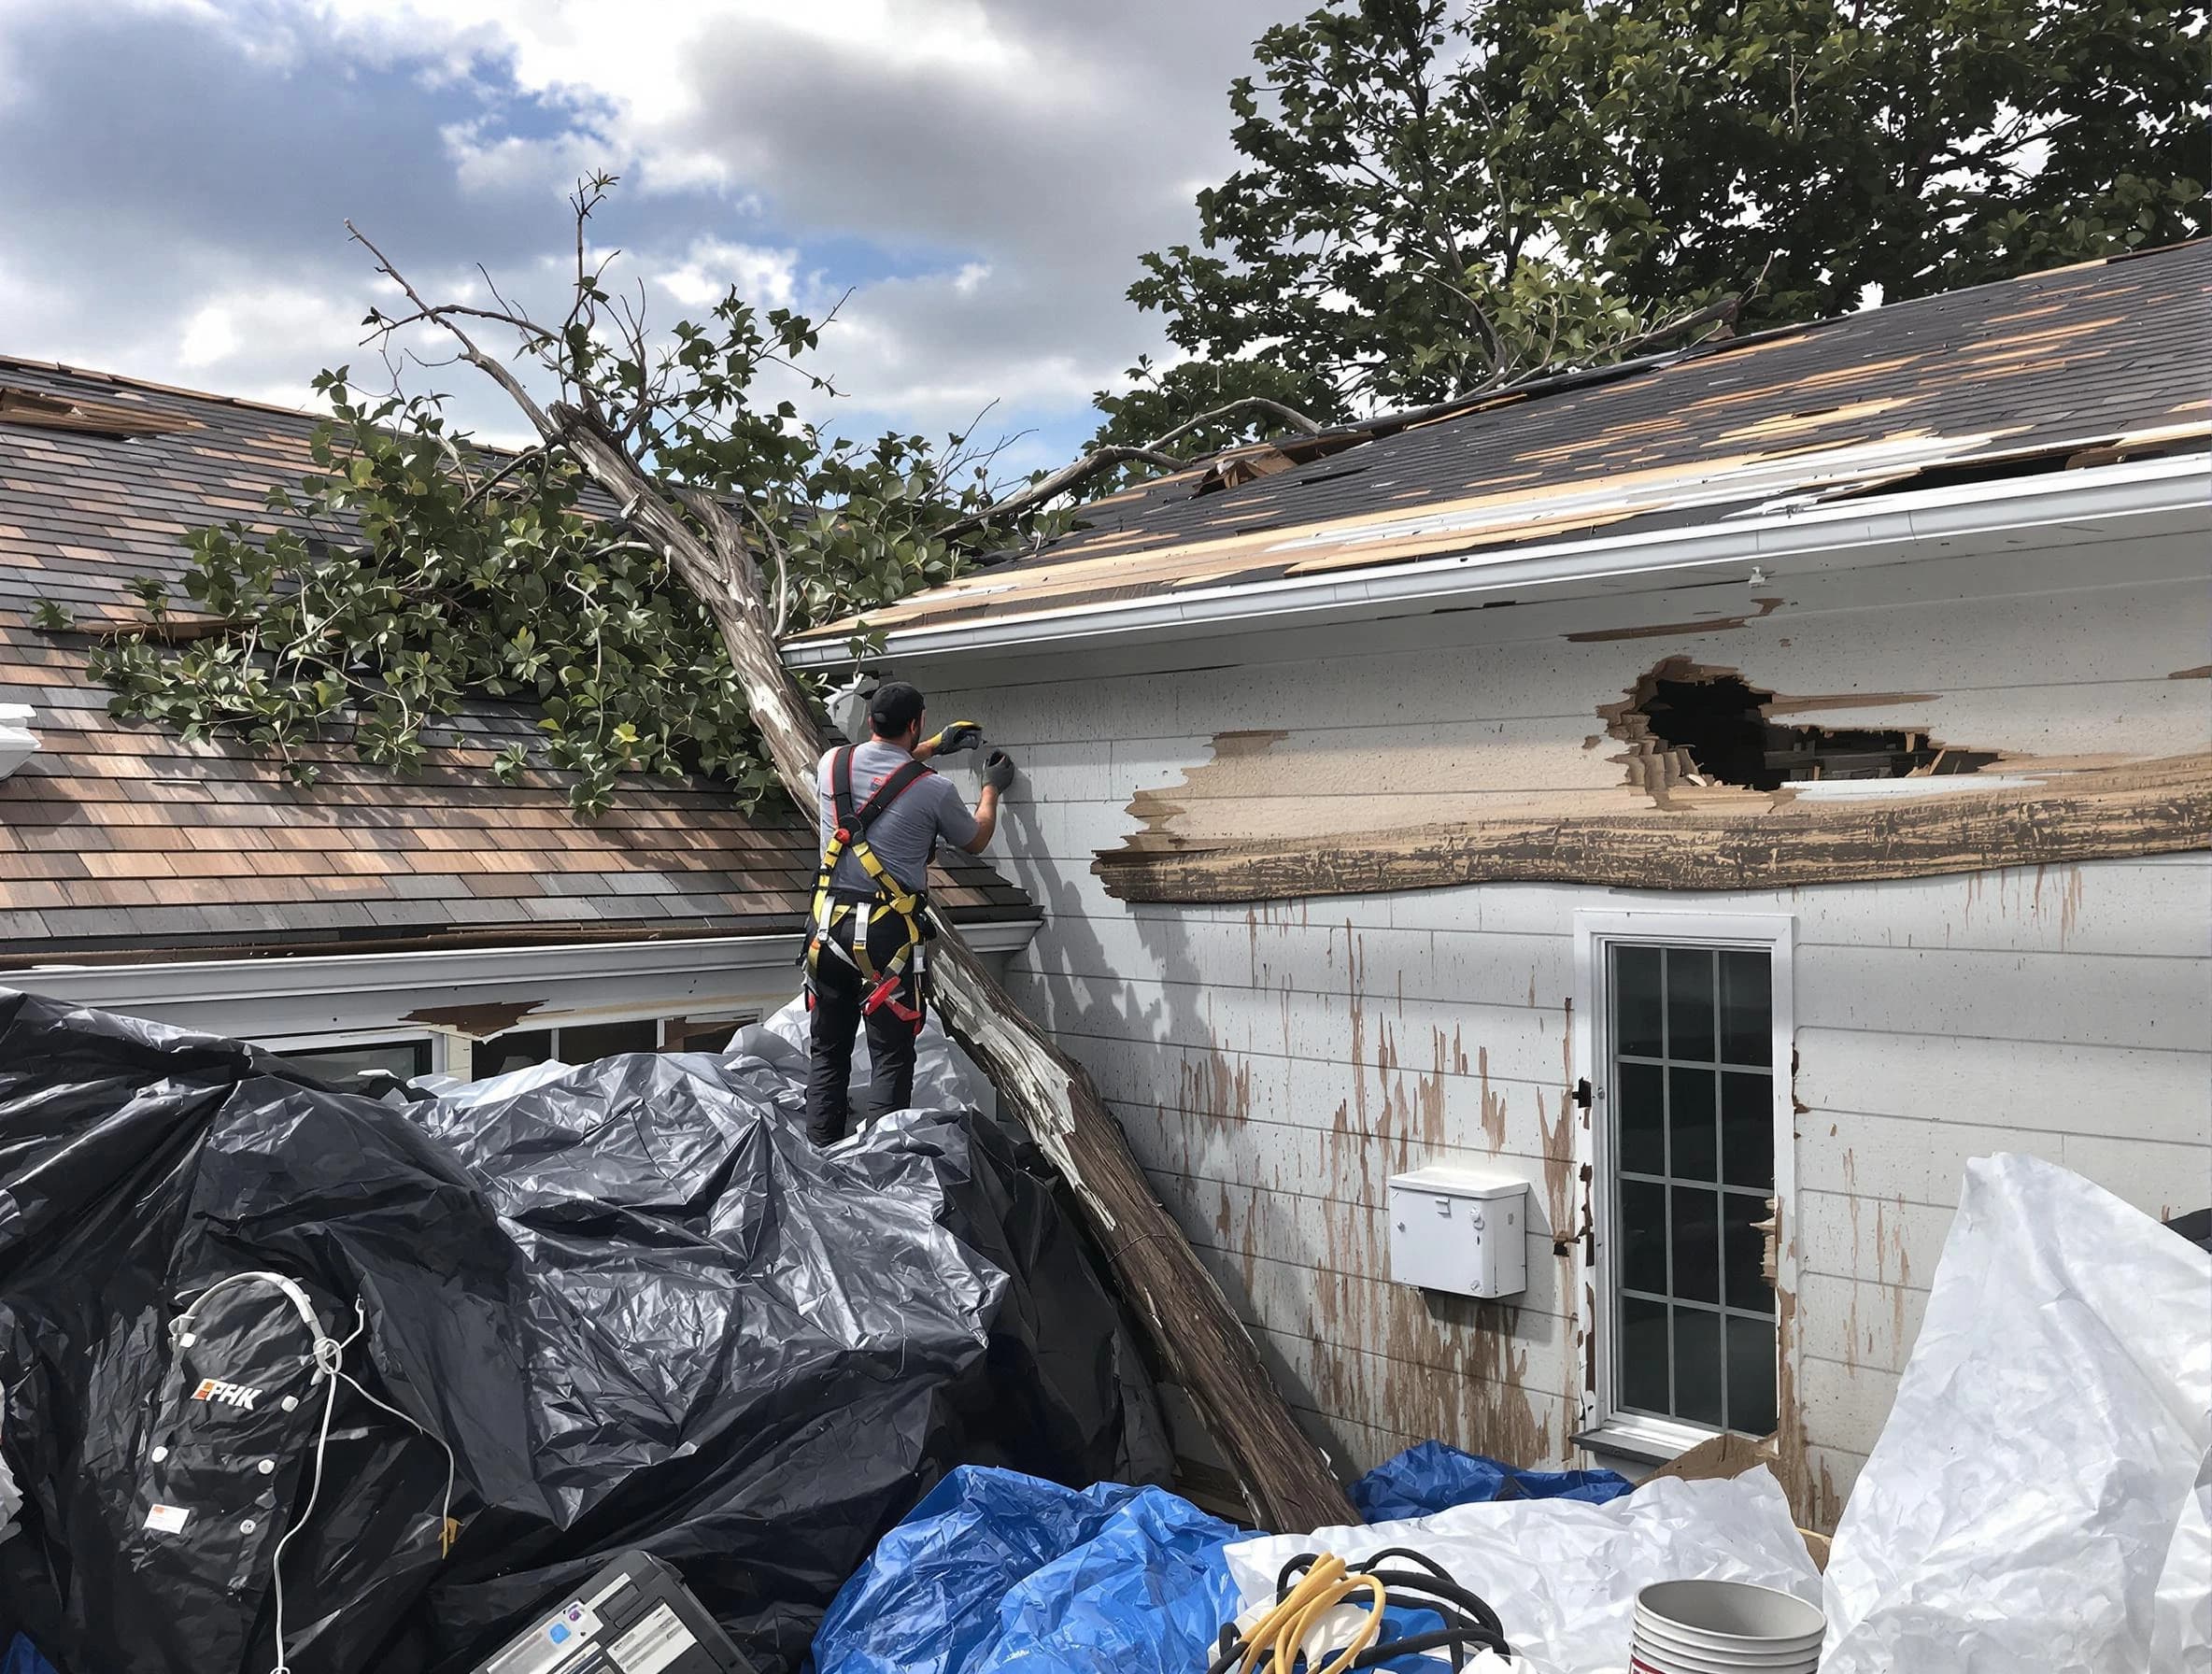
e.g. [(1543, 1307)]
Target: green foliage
[(51, 617), (1916, 144), (1441, 195), (415, 570)]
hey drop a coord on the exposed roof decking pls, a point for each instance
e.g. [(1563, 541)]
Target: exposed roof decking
[(2002, 379)]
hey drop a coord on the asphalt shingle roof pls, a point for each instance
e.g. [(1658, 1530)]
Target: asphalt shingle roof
[(2075, 365), (125, 840)]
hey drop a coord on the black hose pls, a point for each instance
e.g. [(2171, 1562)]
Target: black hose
[(1470, 1622)]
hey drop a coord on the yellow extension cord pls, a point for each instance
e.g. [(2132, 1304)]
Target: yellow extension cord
[(1285, 1628)]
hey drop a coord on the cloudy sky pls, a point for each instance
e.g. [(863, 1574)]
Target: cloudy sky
[(981, 175)]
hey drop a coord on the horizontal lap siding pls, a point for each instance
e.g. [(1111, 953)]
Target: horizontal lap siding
[(1273, 1065)]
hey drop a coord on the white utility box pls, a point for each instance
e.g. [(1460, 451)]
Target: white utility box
[(1457, 1230)]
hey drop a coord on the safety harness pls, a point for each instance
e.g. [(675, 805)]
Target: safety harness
[(891, 899)]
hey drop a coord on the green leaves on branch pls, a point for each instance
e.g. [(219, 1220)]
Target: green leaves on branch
[(414, 574)]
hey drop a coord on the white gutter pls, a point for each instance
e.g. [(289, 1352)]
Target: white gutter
[(119, 986), (2099, 493)]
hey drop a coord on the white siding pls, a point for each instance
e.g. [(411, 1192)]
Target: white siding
[(1273, 1065)]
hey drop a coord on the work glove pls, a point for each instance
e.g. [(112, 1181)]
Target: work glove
[(960, 736), (998, 770)]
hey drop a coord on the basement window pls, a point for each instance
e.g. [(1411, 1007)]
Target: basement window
[(1720, 720), (586, 1042)]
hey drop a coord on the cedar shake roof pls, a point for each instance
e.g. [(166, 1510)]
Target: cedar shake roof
[(2081, 365), (121, 839)]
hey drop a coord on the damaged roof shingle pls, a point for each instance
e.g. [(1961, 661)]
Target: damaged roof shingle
[(2082, 364)]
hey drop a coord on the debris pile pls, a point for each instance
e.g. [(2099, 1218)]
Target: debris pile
[(2043, 1483), (624, 1306)]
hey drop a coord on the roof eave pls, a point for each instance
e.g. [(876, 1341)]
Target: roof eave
[(1839, 536)]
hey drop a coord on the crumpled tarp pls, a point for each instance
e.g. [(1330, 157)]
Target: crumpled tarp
[(1563, 1574), (23, 1658), (1433, 1476), (997, 1571), (2046, 1437), (640, 1308)]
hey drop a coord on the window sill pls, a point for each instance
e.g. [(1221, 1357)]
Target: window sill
[(1649, 1441)]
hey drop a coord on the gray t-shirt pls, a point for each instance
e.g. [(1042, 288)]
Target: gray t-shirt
[(906, 833)]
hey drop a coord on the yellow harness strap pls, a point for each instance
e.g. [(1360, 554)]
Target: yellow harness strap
[(850, 835)]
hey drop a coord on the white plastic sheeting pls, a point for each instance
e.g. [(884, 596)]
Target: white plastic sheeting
[(1563, 1575), (2023, 1502), (2181, 1634)]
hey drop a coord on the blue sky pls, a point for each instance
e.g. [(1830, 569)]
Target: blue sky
[(980, 176)]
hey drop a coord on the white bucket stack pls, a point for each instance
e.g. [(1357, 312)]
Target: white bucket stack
[(1724, 1627)]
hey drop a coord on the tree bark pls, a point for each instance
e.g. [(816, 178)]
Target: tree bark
[(1286, 1480)]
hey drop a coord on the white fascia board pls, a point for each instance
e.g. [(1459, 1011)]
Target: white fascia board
[(1838, 536), (315, 992)]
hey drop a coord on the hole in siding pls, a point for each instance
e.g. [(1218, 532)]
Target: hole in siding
[(1698, 726)]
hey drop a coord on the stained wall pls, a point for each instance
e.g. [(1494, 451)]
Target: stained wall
[(1273, 1063)]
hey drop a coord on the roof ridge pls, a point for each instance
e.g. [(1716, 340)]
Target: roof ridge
[(1659, 360), (127, 381)]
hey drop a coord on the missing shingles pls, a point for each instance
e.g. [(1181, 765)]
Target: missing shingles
[(1688, 725)]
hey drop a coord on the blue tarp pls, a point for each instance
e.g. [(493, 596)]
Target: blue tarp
[(996, 1570), (23, 1658), (1000, 1573), (1432, 1477)]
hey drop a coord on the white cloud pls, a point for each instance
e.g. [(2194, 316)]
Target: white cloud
[(979, 175), (767, 278)]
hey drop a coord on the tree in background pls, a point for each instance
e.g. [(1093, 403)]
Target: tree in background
[(1441, 196)]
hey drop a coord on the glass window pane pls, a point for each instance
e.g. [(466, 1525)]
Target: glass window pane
[(1747, 1009), (1643, 1355), (1743, 1253), (603, 1040), (1747, 1129), (1750, 1376), (1639, 1108), (1689, 1003), (1636, 1002), (1696, 1243), (1692, 1125), (1698, 1366), (348, 1066), (699, 1034), (1643, 1237), (516, 1051)]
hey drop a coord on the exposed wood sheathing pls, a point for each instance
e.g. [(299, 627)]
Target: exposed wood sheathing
[(2156, 808), (1670, 826), (2072, 367)]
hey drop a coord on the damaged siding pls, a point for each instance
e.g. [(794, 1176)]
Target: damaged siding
[(1275, 1062)]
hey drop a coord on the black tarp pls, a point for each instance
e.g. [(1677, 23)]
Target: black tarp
[(639, 1306)]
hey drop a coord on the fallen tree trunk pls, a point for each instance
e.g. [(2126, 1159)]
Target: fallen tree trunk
[(1286, 1480)]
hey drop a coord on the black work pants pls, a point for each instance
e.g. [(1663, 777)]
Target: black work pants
[(839, 991)]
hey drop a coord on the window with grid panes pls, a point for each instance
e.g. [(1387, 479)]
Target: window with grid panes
[(1692, 1103)]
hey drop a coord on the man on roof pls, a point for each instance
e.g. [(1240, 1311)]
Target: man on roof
[(883, 815)]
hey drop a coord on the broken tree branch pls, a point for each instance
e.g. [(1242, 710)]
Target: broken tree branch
[(1203, 1343), (1073, 475)]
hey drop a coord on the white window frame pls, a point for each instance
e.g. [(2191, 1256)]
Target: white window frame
[(441, 1042), (1639, 1435)]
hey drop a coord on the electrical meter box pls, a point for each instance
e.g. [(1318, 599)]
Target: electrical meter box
[(1458, 1230)]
